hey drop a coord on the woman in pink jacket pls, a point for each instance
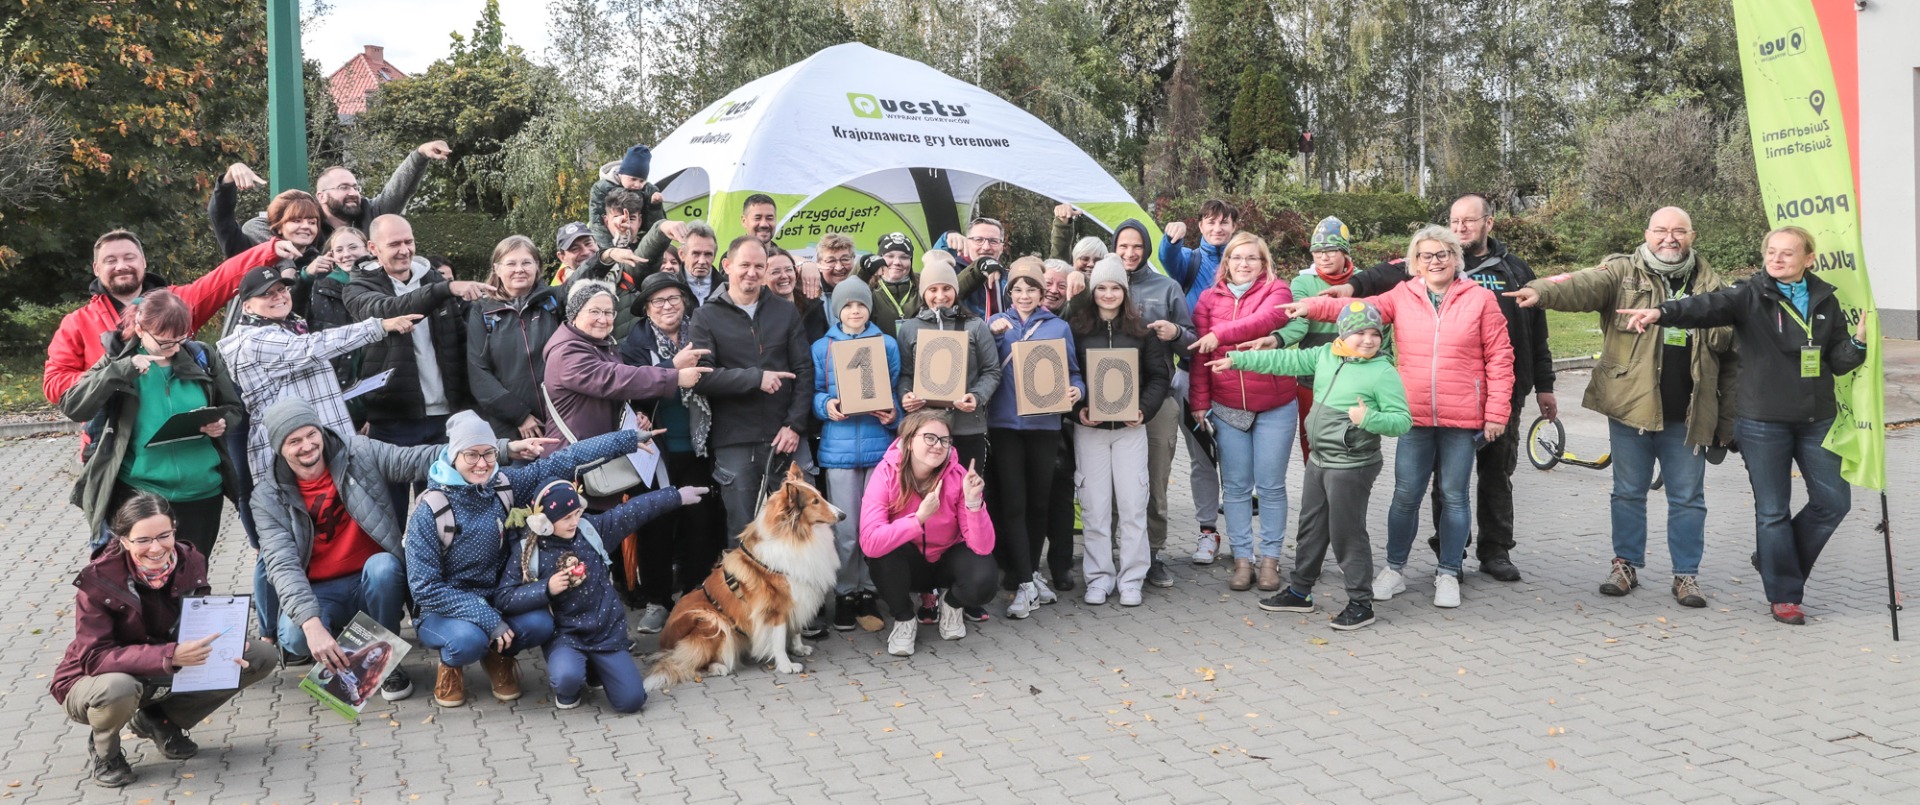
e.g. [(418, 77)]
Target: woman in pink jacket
[(1253, 416), (1457, 365), (924, 526)]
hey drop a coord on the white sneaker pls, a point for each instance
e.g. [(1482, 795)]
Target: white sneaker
[(1096, 596), (1207, 548), (953, 625), (1446, 591), (1044, 593), (1130, 597), (1023, 602), (1388, 584), (905, 631)]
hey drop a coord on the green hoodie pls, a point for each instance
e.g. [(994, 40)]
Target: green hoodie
[(1339, 384)]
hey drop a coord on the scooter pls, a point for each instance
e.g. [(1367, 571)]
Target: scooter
[(1547, 448)]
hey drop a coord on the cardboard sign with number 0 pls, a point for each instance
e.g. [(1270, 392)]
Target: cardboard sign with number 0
[(860, 370), (1040, 377), (940, 366), (1113, 385)]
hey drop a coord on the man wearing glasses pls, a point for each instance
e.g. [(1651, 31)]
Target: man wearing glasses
[(339, 192), (981, 250), (1660, 391), (1489, 263)]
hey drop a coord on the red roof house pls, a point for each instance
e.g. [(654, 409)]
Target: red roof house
[(358, 78)]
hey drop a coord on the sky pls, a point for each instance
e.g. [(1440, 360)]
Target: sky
[(414, 32)]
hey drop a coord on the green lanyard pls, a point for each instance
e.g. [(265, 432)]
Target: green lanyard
[(1808, 328), (898, 306), (1809, 354)]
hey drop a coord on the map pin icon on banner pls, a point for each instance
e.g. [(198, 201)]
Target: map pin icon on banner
[(1819, 101)]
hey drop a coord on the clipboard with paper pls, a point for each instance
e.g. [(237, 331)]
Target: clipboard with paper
[(646, 460), (186, 425), (226, 617)]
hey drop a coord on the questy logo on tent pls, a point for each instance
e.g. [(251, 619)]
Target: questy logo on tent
[(730, 110), (877, 108), (1791, 43)]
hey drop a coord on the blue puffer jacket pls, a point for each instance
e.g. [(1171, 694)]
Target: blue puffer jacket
[(1194, 268), (857, 441), (458, 580), (1041, 326)]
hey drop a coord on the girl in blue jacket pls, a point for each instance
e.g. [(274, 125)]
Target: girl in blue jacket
[(850, 446)]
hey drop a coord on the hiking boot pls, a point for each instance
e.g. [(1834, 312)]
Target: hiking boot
[(1500, 567), (866, 612), (110, 770), (1242, 579), (1207, 547), (1042, 591), (449, 686), (953, 622), (1269, 574), (1288, 601), (397, 685), (151, 724), (1355, 616), (1621, 579), (905, 631), (843, 612), (1686, 590), (1388, 584), (928, 614), (1789, 614), (503, 672), (1446, 591), (652, 619), (1157, 573)]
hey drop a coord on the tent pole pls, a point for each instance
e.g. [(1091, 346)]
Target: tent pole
[(1893, 592)]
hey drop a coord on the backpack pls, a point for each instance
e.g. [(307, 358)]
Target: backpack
[(444, 522)]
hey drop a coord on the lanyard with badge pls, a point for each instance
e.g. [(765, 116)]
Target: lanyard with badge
[(1675, 336), (1809, 354)]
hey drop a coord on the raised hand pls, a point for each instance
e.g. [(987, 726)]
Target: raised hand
[(243, 177), (975, 487), (1177, 231), (529, 448), (436, 150), (929, 505)]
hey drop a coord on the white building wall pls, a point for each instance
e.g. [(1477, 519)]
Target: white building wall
[(1890, 160)]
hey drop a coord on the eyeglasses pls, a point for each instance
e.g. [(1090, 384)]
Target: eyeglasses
[(1662, 232), (941, 442), (664, 302), (978, 241), (1433, 257), (1245, 258), (837, 260), (488, 456), (344, 187), (278, 290), (598, 313), (1473, 220), (167, 343), (143, 542)]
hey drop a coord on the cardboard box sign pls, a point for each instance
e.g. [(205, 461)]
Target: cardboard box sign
[(860, 369), (1113, 384), (1040, 377), (940, 366)]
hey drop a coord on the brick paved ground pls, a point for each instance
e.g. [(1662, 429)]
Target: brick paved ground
[(1540, 690)]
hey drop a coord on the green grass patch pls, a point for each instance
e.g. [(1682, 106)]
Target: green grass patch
[(20, 383), (1573, 335)]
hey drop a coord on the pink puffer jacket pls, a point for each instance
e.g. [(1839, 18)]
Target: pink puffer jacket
[(1235, 321), (1457, 364)]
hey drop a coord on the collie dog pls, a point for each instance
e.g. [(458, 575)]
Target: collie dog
[(760, 596)]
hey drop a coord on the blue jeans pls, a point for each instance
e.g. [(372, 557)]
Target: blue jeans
[(1256, 459), (1421, 454), (461, 643), (266, 602), (1685, 471), (567, 671), (1787, 546), (380, 588)]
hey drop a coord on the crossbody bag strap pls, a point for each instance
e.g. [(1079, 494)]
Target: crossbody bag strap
[(554, 412)]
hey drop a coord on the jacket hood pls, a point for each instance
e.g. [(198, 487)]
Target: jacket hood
[(1133, 224), (610, 172), (837, 333)]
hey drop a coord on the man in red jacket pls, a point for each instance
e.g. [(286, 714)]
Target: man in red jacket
[(119, 276)]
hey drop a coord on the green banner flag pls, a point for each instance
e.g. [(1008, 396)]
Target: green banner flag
[(1805, 166)]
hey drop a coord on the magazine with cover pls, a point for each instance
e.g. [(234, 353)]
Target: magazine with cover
[(372, 653)]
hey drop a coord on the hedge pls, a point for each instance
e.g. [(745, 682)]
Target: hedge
[(466, 238)]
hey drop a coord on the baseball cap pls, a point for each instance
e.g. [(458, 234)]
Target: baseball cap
[(570, 233), (261, 281)]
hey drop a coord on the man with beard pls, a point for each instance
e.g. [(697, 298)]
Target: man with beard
[(1490, 264), (341, 203), (1661, 391), (758, 217), (120, 276)]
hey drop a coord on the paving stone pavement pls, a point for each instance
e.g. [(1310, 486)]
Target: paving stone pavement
[(1533, 691)]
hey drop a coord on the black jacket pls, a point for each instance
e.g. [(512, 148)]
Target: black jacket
[(1498, 271), (504, 362), (774, 340), (1769, 343), (370, 295), (1156, 380)]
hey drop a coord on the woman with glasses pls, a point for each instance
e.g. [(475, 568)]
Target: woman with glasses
[(152, 371), (126, 645), (924, 526), (692, 536), (506, 338), (1253, 416), (1457, 364)]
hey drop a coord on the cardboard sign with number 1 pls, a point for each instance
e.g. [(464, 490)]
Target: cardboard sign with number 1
[(860, 372)]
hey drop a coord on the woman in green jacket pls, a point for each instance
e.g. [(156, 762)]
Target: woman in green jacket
[(1360, 399), (152, 371)]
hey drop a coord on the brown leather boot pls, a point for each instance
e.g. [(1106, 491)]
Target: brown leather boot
[(1242, 575), (1269, 573), (449, 687), (504, 673)]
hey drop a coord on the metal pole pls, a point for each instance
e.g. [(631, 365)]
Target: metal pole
[(1893, 591), (286, 98)]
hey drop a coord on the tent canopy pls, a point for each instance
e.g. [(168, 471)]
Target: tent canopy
[(863, 142)]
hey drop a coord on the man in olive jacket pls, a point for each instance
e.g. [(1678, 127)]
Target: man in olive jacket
[(1662, 392)]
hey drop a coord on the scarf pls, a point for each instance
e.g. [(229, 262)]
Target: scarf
[(1344, 352), (1661, 268), (1239, 289), (153, 579), (698, 412), (1346, 273), (1796, 293), (292, 323)]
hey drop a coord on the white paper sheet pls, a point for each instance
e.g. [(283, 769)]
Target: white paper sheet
[(645, 460), (374, 383), (222, 615)]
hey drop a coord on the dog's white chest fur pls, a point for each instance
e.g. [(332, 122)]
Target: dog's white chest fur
[(811, 569)]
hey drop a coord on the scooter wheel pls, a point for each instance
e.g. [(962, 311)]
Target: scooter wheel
[(1546, 439)]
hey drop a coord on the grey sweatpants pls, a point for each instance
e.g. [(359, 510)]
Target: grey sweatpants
[(1333, 509), (845, 487)]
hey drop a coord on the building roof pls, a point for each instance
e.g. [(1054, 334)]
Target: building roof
[(358, 78)]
